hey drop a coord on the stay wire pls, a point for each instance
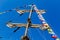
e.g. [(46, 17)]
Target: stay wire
[(41, 34)]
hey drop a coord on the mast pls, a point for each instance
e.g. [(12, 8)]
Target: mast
[(28, 25), (45, 25)]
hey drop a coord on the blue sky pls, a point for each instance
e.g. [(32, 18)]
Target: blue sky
[(52, 17)]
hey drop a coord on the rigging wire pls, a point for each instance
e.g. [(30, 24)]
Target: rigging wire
[(30, 34), (41, 34)]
